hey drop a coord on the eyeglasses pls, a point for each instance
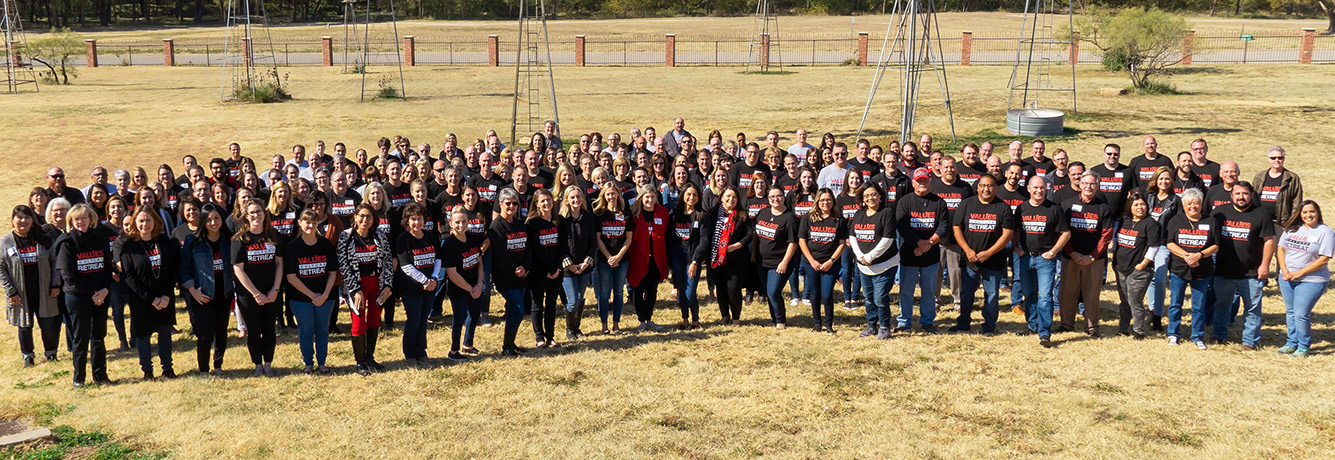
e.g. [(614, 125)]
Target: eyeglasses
[(1276, 158), (439, 170), (57, 176), (509, 203)]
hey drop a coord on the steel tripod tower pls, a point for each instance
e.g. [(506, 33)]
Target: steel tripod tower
[(247, 49), (533, 71), (912, 45), (18, 65), (762, 56), (1039, 53), (363, 46)]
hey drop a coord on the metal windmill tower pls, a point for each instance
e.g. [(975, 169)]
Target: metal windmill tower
[(764, 52), (247, 49), (912, 45), (1039, 53), (366, 44), (18, 66), (533, 71)]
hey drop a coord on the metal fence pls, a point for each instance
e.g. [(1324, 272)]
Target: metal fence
[(1270, 47)]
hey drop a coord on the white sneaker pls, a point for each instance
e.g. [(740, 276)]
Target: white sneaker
[(1173, 340), (806, 302), (792, 303), (1200, 345)]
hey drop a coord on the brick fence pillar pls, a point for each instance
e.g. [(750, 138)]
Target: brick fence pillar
[(327, 51), (862, 48), (966, 47), (764, 51), (1074, 58), (410, 50), (670, 56), (1309, 39), (168, 52), (579, 51), (1187, 41), (246, 58), (493, 50), (91, 45)]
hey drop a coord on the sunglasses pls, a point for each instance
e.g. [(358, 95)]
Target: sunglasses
[(509, 203), (1276, 158), (57, 176), (440, 170)]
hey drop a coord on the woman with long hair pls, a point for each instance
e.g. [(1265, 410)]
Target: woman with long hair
[(1137, 242), (1163, 204), (725, 236), (208, 285), (822, 237), (366, 265), (283, 219), (649, 259), (614, 239), (117, 212), (847, 205), (257, 266), (25, 274), (801, 200), (462, 261), (682, 244), (579, 229), (83, 261), (544, 280), (312, 275), (871, 235), (147, 262), (1305, 249), (512, 259), (672, 189), (417, 254)]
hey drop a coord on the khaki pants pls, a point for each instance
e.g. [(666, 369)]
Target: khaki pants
[(1081, 281), (952, 258)]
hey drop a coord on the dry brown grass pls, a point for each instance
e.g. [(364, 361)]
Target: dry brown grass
[(726, 392)]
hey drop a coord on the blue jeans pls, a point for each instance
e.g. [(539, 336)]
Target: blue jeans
[(848, 274), (313, 329), (466, 311), (1159, 283), (487, 288), (1299, 299), (774, 281), (144, 346), (1038, 277), (117, 304), (514, 314), (1178, 287), (609, 287), (687, 298), (416, 308), (1017, 287), (822, 293), (574, 286), (925, 279), (971, 277), (876, 291), (1249, 289)]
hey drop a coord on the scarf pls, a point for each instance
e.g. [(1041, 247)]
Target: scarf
[(722, 232)]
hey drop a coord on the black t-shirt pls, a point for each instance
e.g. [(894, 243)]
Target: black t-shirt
[(1013, 199), (953, 194), (982, 225), (1088, 221), (1026, 171), (259, 261), (1209, 173), (801, 203), (1115, 184), (1064, 196), (868, 170), (823, 236), (1042, 225), (284, 223), (545, 242), (970, 174), (785, 183), (509, 250), (344, 206), (847, 206), (1040, 167), (487, 188), (27, 250), (867, 231), (1242, 237), (1059, 183), (542, 180), (1267, 193), (1133, 240), (1192, 237), (399, 195), (464, 257), (612, 230), (525, 198), (1217, 197), (773, 235), (313, 265), (741, 175), (754, 205), (414, 253), (1144, 168), (366, 251), (917, 218), (894, 187)]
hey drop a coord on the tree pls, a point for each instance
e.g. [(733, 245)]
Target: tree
[(1143, 42), (57, 53)]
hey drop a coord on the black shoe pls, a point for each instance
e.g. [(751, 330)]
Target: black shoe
[(125, 346), (829, 330), (148, 375), (362, 370), (455, 356), (168, 374), (469, 350), (1156, 323), (1064, 328), (1024, 333), (27, 361), (958, 328), (1045, 341), (333, 329), (902, 329), (929, 329), (376, 365), (571, 336), (511, 352), (102, 380)]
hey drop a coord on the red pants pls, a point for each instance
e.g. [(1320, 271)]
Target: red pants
[(369, 315)]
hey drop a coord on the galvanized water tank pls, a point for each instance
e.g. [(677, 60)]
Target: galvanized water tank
[(1035, 122)]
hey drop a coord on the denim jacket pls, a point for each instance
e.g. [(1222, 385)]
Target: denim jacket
[(197, 265)]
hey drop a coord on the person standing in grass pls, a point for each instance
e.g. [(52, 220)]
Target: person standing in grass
[(417, 260), (1193, 239), (544, 283), (208, 283), (461, 255), (1246, 245), (923, 222), (725, 238), (822, 237), (147, 262), (871, 235), (258, 267), (683, 243), (776, 244), (83, 260), (614, 239), (579, 229), (366, 265), (1139, 238), (1305, 249), (26, 276), (648, 254), (511, 262), (1091, 221), (983, 225), (312, 275)]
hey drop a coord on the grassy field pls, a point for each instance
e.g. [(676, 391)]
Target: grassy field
[(725, 392), (982, 24)]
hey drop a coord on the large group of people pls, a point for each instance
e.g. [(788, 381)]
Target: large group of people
[(405, 228)]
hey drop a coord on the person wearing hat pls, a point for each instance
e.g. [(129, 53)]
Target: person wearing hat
[(921, 218)]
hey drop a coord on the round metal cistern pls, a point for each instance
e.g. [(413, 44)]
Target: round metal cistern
[(1035, 122)]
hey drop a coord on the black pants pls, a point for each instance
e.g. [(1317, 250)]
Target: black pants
[(89, 326), (50, 337), (645, 295), (545, 292), (144, 345), (388, 319), (261, 321), (210, 324), (729, 280)]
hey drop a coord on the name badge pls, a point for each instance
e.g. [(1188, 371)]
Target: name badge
[(1117, 175), (12, 252), (658, 221), (1077, 208), (1204, 227)]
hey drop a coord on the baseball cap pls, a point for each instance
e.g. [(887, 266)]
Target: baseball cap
[(921, 173)]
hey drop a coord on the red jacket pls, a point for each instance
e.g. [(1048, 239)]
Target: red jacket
[(648, 236)]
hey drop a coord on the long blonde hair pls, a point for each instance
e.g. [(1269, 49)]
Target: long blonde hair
[(608, 198), (565, 204)]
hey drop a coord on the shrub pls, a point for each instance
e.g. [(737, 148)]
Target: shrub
[(269, 87), (1145, 43), (387, 88)]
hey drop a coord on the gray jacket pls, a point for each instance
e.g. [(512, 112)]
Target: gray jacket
[(11, 278)]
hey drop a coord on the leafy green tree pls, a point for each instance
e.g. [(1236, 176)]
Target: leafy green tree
[(1146, 43), (57, 52)]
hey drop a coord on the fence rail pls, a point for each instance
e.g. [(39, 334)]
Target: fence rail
[(1271, 47)]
